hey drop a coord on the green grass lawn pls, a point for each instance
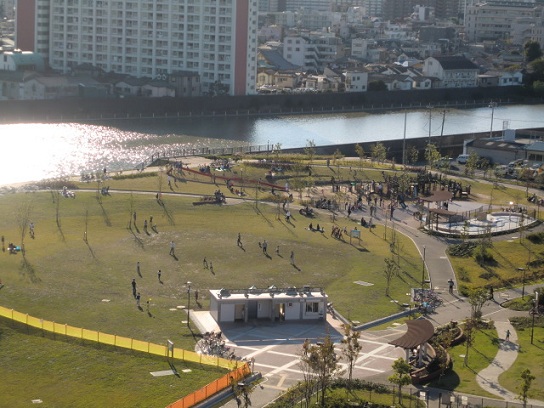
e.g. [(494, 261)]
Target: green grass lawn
[(463, 378), (64, 279), (527, 356), (71, 373)]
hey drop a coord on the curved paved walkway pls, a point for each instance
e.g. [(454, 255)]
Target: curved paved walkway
[(488, 378)]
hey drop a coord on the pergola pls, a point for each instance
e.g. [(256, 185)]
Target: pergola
[(418, 334), (438, 197)]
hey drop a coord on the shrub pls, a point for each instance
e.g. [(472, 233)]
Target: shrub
[(464, 249), (464, 275), (484, 258), (536, 237)]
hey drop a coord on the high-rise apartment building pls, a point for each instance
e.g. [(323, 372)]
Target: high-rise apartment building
[(215, 38), (317, 5)]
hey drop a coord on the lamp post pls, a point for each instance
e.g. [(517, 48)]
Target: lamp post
[(188, 300), (427, 150), (423, 270), (492, 105), (535, 311)]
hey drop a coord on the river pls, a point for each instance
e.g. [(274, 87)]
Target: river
[(47, 150)]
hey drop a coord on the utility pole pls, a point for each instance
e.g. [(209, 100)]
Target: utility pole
[(492, 105)]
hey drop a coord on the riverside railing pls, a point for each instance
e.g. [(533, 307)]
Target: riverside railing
[(275, 111)]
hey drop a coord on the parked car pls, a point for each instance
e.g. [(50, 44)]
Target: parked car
[(462, 158)]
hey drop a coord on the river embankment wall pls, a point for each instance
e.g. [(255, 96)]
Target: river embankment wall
[(84, 109), (447, 145)]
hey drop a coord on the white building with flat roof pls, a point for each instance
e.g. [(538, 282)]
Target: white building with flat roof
[(306, 303)]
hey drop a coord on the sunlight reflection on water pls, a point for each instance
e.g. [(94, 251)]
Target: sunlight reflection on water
[(48, 150), (42, 151)]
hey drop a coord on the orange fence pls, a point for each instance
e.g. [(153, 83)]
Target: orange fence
[(212, 388), (143, 346)]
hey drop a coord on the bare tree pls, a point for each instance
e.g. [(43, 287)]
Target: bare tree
[(390, 270), (309, 379), (277, 151), (23, 219), (477, 299), (310, 150), (470, 326), (360, 152), (352, 348)]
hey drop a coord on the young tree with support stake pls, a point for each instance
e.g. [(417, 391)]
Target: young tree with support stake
[(401, 376), (321, 359), (352, 348), (526, 381)]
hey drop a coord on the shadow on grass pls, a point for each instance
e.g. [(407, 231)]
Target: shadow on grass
[(486, 358), (450, 381), (137, 239), (291, 231), (167, 213), (105, 215), (59, 229), (173, 368), (27, 269), (91, 250)]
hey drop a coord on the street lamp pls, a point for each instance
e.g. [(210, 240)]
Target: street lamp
[(535, 311), (492, 105), (423, 270), (427, 150), (188, 300)]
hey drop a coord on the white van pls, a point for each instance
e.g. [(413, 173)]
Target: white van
[(462, 158)]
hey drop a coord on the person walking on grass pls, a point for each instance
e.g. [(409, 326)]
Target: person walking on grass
[(172, 248), (138, 300), (159, 273), (239, 241), (292, 257)]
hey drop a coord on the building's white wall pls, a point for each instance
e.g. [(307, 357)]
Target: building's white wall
[(264, 309), (292, 310), (227, 312), (214, 308)]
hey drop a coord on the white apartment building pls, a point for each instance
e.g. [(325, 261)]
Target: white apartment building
[(312, 52), (359, 48), (492, 20), (215, 38)]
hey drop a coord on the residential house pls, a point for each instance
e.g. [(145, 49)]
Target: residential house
[(158, 89), (500, 78), (18, 60), (452, 72), (355, 81), (130, 86)]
